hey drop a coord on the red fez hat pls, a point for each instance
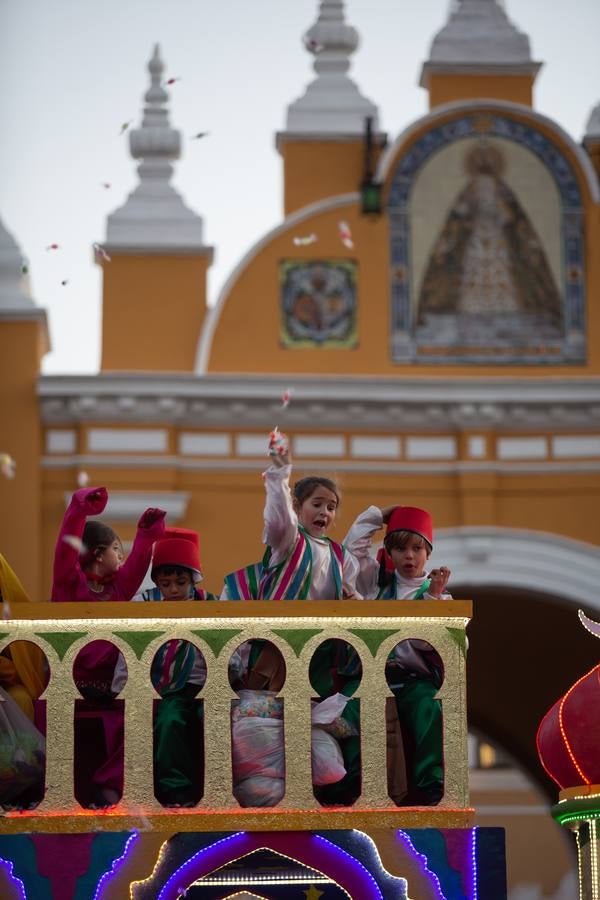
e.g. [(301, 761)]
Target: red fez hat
[(178, 547), (407, 518), (411, 518)]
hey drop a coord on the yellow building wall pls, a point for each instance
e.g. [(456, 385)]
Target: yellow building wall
[(22, 345), (153, 311), (316, 170), (449, 88)]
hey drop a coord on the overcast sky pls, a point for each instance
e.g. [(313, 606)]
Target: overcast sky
[(72, 71)]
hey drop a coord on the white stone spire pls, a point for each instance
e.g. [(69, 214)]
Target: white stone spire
[(332, 103), (592, 128), (154, 216), (479, 37), (14, 288)]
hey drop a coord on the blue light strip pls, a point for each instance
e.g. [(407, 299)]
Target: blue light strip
[(474, 893), (423, 862), (8, 865), (117, 863)]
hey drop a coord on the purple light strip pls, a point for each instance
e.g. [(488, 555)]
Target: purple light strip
[(360, 870), (474, 892), (215, 850), (116, 864), (423, 862), (8, 865)]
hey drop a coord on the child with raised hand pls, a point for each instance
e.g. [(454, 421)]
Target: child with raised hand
[(88, 566), (88, 558), (414, 669), (302, 563)]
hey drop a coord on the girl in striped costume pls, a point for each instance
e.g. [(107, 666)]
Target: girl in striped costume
[(302, 563)]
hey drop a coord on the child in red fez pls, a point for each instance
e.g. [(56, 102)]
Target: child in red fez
[(178, 673), (414, 669)]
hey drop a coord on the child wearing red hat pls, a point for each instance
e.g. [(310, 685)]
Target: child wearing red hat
[(178, 673), (414, 669), (176, 568)]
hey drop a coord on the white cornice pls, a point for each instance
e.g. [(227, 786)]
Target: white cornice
[(127, 506), (511, 557), (391, 153), (554, 403), (291, 221)]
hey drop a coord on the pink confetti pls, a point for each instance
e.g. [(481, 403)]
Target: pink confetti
[(313, 45), (83, 479), (278, 443), (173, 80), (304, 241), (6, 610), (106, 185), (201, 134), (285, 400), (53, 247), (345, 235), (101, 252), (125, 126), (7, 465), (75, 542)]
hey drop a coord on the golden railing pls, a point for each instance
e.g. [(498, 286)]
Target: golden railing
[(296, 629)]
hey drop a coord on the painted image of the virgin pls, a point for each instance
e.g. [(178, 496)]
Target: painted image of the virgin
[(488, 259)]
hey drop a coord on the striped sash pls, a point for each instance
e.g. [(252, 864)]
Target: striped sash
[(245, 583), (291, 579), (172, 665)]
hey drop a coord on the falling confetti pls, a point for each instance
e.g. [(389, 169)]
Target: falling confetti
[(6, 610), (124, 127), (83, 479), (53, 247), (313, 45), (7, 465), (75, 542), (345, 235), (101, 252), (278, 443), (285, 400), (106, 185), (173, 80), (201, 134), (304, 241), (24, 266), (65, 282)]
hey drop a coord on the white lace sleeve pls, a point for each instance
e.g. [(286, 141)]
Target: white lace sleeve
[(281, 522), (358, 543)]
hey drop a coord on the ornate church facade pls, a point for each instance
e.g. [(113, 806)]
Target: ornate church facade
[(430, 300)]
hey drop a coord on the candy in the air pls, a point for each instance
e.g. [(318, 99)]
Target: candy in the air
[(300, 241), (278, 443), (75, 542), (7, 465), (101, 252), (345, 235)]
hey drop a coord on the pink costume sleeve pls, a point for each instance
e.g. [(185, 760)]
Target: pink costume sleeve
[(130, 575), (280, 531), (68, 581)]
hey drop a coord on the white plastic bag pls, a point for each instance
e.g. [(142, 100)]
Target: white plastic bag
[(258, 761), (326, 756), (22, 750)]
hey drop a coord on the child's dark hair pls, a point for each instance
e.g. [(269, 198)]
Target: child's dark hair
[(304, 488), (97, 537), (168, 569)]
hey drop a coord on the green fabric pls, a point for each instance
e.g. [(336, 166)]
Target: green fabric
[(178, 747), (420, 718), (335, 668)]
